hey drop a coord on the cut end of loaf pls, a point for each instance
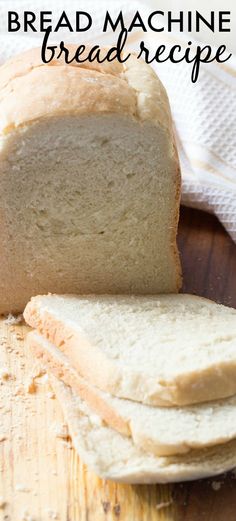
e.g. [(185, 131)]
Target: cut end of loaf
[(92, 209)]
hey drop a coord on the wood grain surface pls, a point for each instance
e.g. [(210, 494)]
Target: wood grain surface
[(41, 477), (208, 257)]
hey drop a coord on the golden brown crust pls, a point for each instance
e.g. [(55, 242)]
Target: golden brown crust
[(50, 91), (176, 221), (23, 63), (130, 88), (79, 385)]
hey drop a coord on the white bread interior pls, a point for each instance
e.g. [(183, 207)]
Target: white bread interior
[(90, 181)]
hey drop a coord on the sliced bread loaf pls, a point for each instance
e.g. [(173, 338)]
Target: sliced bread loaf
[(159, 430), (159, 350), (113, 456), (90, 182)]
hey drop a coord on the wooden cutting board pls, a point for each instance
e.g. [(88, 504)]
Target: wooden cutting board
[(42, 479)]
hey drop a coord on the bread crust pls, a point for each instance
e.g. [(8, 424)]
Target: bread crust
[(80, 386), (116, 458), (147, 426), (56, 88)]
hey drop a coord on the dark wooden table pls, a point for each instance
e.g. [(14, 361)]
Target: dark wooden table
[(209, 269), (208, 257)]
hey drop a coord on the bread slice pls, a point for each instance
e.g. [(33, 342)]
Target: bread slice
[(113, 456), (160, 350), (90, 181), (159, 430)]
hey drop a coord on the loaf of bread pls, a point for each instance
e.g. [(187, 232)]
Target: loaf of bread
[(115, 457), (160, 350), (159, 430), (90, 183)]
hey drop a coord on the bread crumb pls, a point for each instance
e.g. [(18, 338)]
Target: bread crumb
[(61, 431), (216, 485), (30, 386), (43, 378), (164, 504), (21, 488), (38, 372), (116, 509), (27, 517), (4, 374), (51, 395), (19, 336), (11, 320), (2, 438), (106, 506), (52, 514), (19, 390), (96, 420), (3, 503)]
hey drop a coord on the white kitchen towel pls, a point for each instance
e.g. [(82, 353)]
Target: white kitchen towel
[(204, 113)]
